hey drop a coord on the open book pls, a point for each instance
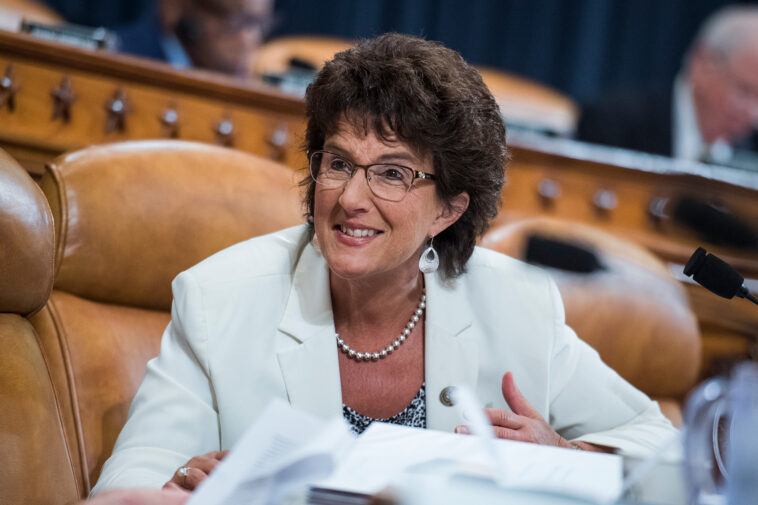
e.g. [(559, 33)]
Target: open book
[(286, 451)]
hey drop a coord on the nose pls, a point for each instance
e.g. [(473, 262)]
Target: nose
[(356, 194)]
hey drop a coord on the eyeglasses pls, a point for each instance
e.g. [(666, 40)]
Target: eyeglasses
[(387, 181)]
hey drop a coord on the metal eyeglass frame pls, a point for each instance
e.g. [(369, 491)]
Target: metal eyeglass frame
[(417, 174)]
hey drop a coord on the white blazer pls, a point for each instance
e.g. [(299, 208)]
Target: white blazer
[(254, 322)]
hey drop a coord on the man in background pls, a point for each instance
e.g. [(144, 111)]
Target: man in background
[(219, 35), (710, 115)]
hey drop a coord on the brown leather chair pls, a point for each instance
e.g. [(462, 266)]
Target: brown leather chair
[(522, 101), (13, 12), (128, 218), (529, 104), (34, 457), (274, 56), (631, 309)]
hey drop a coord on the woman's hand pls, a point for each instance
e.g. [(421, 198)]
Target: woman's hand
[(524, 424), (192, 473)]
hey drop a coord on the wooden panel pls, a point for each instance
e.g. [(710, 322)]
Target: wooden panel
[(575, 184), (263, 120)]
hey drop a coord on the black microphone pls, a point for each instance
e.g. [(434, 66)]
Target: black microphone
[(717, 276)]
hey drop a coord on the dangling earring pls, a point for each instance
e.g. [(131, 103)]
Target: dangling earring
[(430, 260)]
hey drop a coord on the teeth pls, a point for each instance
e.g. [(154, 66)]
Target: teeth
[(357, 233)]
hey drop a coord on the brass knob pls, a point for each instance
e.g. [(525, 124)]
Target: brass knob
[(8, 89), (605, 200), (170, 122), (63, 97), (116, 109), (224, 131), (277, 143), (548, 191)]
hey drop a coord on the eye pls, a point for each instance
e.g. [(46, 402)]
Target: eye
[(393, 173), (339, 165)]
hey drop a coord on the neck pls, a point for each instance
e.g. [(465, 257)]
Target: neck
[(375, 303)]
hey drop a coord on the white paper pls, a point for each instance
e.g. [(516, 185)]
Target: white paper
[(384, 453), (282, 452), (286, 449)]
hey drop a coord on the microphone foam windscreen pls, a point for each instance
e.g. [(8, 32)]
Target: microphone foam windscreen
[(717, 276), (695, 262)]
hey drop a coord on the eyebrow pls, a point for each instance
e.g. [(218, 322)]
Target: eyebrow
[(384, 158)]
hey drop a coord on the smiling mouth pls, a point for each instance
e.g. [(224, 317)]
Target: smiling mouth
[(357, 232)]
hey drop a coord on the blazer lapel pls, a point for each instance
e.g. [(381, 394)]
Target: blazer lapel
[(308, 359), (452, 350)]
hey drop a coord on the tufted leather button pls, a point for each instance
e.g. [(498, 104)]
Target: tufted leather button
[(446, 396)]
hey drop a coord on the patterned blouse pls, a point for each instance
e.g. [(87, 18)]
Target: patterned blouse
[(413, 415)]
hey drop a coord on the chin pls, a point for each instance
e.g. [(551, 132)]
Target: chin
[(350, 271)]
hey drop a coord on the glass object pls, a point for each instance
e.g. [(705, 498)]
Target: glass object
[(721, 439)]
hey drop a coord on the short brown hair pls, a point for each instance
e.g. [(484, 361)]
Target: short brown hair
[(429, 97)]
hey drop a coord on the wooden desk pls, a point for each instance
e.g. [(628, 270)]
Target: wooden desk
[(58, 98), (631, 195)]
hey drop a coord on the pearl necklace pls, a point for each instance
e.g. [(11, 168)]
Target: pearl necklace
[(366, 356)]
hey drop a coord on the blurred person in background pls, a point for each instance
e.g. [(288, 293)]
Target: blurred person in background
[(218, 35), (711, 114)]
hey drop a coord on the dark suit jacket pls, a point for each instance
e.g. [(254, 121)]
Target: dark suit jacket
[(143, 37), (631, 119), (638, 120)]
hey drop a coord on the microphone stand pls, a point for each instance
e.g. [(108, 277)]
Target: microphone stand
[(744, 293)]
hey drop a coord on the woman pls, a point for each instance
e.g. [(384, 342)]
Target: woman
[(381, 301)]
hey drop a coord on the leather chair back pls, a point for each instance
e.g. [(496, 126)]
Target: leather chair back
[(522, 101), (530, 104), (129, 217), (13, 12), (33, 452), (275, 56), (631, 310)]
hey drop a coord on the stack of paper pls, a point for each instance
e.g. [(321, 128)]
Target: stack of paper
[(384, 453), (287, 450)]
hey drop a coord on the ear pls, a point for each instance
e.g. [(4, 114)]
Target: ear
[(450, 213)]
